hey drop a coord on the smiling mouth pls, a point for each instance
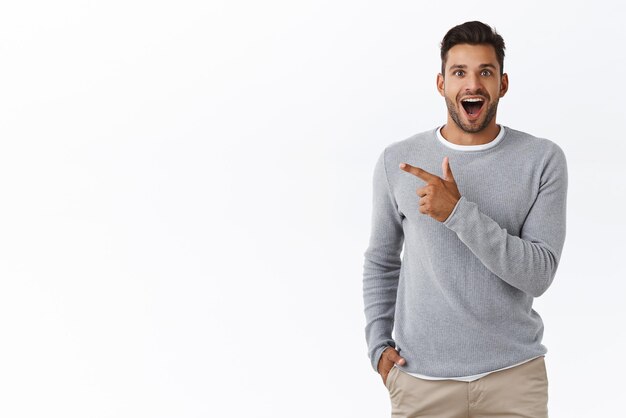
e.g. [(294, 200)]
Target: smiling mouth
[(473, 105)]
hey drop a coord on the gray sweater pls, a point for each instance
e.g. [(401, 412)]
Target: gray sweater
[(459, 298)]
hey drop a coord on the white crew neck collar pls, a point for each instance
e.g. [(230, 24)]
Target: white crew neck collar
[(480, 147)]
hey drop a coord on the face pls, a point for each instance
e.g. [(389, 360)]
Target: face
[(472, 86)]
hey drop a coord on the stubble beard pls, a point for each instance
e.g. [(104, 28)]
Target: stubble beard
[(471, 129)]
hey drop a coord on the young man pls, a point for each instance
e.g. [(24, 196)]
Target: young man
[(480, 209)]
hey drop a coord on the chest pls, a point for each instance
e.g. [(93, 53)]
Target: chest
[(505, 193)]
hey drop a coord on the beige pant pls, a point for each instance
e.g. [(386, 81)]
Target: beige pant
[(520, 392)]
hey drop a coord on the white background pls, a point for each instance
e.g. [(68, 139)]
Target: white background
[(185, 193)]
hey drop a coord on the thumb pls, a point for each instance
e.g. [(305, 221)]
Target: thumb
[(393, 356), (447, 172)]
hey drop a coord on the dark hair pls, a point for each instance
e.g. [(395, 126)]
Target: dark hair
[(473, 33)]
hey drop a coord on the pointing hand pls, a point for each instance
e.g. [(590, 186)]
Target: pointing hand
[(440, 195)]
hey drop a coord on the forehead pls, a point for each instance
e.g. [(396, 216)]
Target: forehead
[(471, 55)]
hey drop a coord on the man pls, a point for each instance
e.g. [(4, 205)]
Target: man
[(480, 209)]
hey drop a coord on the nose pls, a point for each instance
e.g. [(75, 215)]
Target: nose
[(473, 83)]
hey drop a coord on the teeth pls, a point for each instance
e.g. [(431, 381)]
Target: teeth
[(472, 100)]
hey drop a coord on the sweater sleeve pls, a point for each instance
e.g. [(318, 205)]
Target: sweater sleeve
[(528, 262), (381, 269)]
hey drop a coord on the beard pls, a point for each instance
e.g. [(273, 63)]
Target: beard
[(473, 127)]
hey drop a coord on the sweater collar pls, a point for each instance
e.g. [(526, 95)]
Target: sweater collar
[(480, 147)]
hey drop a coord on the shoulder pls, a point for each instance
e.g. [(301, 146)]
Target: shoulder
[(534, 143), (547, 153), (401, 148)]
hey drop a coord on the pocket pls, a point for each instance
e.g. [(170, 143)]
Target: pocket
[(545, 372), (390, 377)]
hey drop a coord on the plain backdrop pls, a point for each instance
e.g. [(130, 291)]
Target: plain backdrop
[(185, 197)]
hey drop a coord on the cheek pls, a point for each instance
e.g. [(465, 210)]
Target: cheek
[(497, 89), (452, 91)]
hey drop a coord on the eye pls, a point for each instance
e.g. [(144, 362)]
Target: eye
[(485, 73), (459, 73)]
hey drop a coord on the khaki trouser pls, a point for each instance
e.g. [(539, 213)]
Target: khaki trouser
[(520, 392)]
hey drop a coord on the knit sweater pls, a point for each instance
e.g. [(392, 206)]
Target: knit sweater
[(458, 297)]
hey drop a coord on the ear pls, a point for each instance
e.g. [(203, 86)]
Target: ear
[(440, 84), (504, 84)]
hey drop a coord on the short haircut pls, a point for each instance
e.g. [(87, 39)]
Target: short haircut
[(473, 33)]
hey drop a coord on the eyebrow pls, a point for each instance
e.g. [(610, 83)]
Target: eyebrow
[(463, 66)]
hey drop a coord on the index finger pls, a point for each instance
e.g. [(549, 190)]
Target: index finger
[(418, 172)]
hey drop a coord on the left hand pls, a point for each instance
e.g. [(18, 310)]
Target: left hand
[(440, 195)]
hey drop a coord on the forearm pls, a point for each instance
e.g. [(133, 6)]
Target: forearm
[(380, 284), (527, 263)]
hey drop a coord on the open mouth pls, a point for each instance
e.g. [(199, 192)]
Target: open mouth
[(473, 105)]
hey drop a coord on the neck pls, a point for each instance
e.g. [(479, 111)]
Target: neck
[(451, 132)]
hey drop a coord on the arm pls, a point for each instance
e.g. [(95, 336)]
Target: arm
[(528, 262), (381, 269)]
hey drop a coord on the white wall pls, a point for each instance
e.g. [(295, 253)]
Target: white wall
[(185, 193)]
